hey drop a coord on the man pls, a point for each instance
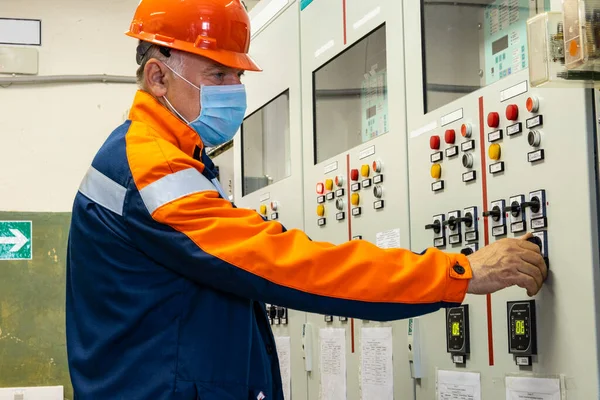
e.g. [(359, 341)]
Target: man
[(167, 280)]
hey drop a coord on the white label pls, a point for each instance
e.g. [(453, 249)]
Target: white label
[(471, 236), (458, 385), (424, 129), (513, 91), (466, 146), (535, 155), (514, 129), (452, 151), (330, 167), (355, 187), (458, 359), (533, 122), (522, 360), (378, 179), (439, 242), (366, 183), (320, 199), (437, 186), (538, 223), (274, 216), (469, 176), (498, 167), (493, 136), (452, 117), (265, 197), (366, 152), (518, 227), (330, 196), (378, 205), (498, 231), (370, 15), (321, 221), (454, 239), (324, 48), (339, 192), (388, 239), (356, 211), (435, 157), (340, 216)]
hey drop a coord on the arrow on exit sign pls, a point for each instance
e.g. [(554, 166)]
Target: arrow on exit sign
[(15, 240)]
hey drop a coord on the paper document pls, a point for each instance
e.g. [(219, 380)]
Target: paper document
[(285, 364), (522, 388), (453, 385), (333, 363), (377, 375), (388, 239)]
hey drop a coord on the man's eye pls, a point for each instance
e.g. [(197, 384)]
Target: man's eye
[(220, 75)]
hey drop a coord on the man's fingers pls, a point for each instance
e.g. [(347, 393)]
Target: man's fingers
[(525, 244), (532, 271), (527, 282), (536, 260)]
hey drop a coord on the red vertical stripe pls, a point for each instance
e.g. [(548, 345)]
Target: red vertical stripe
[(344, 8), (348, 217), (486, 234)]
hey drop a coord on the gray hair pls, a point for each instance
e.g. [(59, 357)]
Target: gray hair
[(147, 51)]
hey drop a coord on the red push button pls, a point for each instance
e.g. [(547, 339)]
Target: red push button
[(320, 188), (493, 120), (512, 112), (354, 174), (434, 142), (450, 136), (466, 130), (532, 104)]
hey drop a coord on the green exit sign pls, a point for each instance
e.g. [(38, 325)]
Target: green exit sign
[(15, 240)]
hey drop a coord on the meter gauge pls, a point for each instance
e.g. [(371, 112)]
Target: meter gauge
[(522, 334), (457, 333)]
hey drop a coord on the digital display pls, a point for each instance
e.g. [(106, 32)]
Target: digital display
[(455, 329), (500, 44), (519, 327)]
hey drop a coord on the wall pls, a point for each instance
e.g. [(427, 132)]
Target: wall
[(49, 134)]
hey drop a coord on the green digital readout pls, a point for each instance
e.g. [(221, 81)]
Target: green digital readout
[(519, 327), (455, 329)]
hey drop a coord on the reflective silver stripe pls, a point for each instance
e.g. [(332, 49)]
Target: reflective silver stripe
[(219, 188), (104, 191), (173, 187)]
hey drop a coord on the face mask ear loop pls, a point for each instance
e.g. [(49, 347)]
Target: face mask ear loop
[(179, 75), (175, 110)]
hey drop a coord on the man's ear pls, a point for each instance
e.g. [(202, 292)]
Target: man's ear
[(155, 78)]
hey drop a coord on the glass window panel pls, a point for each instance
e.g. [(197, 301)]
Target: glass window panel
[(266, 145), (471, 44), (350, 97)]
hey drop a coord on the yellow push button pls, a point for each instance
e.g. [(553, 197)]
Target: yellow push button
[(365, 170), (263, 209), (355, 199), (320, 210), (494, 151), (436, 171), (329, 184)]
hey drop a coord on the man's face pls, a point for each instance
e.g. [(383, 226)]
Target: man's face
[(185, 98)]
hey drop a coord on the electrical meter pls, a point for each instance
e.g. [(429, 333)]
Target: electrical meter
[(457, 333), (522, 335)]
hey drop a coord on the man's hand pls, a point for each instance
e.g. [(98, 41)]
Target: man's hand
[(505, 263)]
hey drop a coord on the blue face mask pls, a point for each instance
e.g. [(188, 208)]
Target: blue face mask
[(222, 110)]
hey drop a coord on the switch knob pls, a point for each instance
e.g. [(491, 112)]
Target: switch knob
[(493, 120), (514, 209), (512, 112), (339, 180), (450, 136), (494, 151), (495, 213), (466, 130), (365, 170), (534, 204), (320, 210), (378, 191), (329, 184), (436, 171), (532, 104), (436, 226), (377, 166), (274, 205), (467, 160), (468, 220), (467, 251), (534, 138), (434, 142), (536, 240), (339, 204)]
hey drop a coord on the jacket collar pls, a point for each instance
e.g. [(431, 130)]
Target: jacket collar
[(147, 110)]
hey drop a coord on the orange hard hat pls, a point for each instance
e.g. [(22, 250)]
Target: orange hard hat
[(216, 29)]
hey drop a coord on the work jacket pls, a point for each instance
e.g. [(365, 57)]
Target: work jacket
[(167, 279)]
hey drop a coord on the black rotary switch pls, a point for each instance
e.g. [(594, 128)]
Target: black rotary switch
[(452, 221), (436, 226), (537, 241), (495, 213), (467, 251), (534, 204), (272, 312), (514, 208)]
